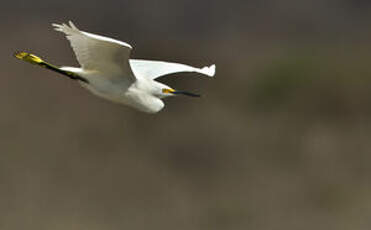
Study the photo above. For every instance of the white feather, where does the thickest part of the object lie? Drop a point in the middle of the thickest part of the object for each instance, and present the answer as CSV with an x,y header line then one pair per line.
x,y
100,54
154,69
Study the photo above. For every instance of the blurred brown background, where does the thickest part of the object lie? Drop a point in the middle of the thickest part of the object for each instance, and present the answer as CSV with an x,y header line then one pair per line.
x,y
279,140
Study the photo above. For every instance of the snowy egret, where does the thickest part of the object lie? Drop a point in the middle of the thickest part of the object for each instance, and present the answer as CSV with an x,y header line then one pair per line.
x,y
107,71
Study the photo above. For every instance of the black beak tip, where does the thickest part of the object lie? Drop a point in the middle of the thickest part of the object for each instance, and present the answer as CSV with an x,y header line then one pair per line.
x,y
187,93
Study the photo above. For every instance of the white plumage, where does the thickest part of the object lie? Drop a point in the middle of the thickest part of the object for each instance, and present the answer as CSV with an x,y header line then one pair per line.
x,y
111,74
155,69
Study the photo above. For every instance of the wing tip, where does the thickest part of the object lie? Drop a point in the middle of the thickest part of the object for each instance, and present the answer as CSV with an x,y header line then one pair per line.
x,y
67,29
72,25
57,27
209,70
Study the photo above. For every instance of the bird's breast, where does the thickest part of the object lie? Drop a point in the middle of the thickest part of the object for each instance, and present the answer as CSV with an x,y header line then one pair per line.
x,y
113,91
143,101
126,94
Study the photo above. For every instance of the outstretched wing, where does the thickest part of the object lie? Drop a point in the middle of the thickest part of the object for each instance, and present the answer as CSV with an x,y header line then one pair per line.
x,y
155,69
97,53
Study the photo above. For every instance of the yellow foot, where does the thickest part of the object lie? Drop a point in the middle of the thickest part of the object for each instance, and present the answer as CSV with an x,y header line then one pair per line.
x,y
33,59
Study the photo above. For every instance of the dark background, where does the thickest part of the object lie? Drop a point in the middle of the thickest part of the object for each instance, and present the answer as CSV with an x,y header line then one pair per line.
x,y
279,140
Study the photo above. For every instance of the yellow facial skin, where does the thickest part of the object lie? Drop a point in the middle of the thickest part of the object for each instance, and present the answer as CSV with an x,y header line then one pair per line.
x,y
168,90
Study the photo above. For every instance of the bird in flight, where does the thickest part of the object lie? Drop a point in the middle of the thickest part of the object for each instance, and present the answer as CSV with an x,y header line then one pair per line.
x,y
107,70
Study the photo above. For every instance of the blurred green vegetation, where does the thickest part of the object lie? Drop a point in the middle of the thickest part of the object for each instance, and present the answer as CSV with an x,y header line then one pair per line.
x,y
324,84
281,80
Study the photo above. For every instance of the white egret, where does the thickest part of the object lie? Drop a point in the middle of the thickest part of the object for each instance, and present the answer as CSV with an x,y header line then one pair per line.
x,y
107,71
